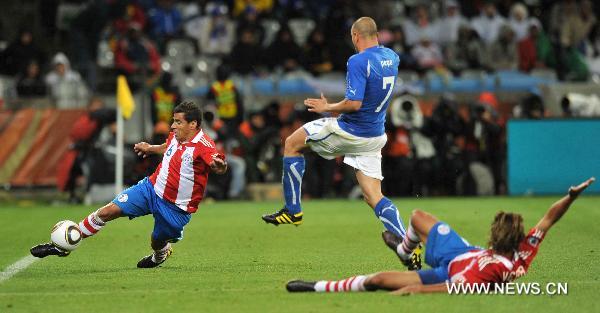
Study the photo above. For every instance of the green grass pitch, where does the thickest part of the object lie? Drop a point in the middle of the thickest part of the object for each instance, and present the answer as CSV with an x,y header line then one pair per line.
x,y
230,261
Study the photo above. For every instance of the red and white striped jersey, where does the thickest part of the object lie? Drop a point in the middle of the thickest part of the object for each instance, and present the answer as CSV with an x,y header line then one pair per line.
x,y
484,266
182,175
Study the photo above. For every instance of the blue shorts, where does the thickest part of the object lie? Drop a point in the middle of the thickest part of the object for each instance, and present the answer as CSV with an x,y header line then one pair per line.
x,y
443,245
140,200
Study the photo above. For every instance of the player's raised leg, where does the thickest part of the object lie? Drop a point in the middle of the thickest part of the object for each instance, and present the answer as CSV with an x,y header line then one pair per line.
x,y
89,226
293,171
383,207
408,248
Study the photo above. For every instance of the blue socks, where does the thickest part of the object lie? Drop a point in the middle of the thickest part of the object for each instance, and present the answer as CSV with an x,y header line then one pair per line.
x,y
388,214
293,170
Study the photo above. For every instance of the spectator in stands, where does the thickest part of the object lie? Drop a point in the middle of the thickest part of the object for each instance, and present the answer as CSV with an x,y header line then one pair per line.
x,y
520,22
399,45
216,32
284,52
65,85
84,133
336,25
444,127
257,133
232,185
449,25
488,23
30,82
165,22
482,146
249,21
408,156
227,101
133,13
318,54
572,21
530,107
85,33
405,113
580,105
593,49
427,54
163,98
468,52
503,53
246,55
421,26
289,9
262,7
535,50
135,55
15,58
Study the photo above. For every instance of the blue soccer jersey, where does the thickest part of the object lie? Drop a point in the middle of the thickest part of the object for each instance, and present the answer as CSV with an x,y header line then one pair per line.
x,y
370,78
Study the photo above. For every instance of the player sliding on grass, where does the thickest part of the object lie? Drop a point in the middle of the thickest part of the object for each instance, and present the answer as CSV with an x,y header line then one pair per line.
x,y
452,259
171,194
358,134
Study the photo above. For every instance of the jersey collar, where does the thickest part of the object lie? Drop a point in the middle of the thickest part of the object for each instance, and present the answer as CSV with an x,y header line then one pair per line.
x,y
198,136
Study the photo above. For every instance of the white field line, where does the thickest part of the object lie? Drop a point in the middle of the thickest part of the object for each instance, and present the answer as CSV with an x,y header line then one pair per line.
x,y
17,267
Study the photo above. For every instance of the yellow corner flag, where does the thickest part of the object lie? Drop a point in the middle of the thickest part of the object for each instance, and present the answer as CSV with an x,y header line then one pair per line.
x,y
124,97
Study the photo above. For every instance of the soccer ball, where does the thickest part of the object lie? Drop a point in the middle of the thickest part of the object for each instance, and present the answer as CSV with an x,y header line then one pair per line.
x,y
66,235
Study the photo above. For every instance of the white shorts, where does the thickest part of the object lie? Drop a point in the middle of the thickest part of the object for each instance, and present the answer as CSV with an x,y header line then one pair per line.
x,y
326,138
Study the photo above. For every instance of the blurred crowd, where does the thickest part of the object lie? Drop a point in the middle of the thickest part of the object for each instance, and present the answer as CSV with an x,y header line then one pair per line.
x,y
447,148
261,36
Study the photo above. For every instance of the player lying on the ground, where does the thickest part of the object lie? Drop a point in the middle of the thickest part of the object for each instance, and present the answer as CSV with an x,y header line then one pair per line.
x,y
453,259
171,194
358,133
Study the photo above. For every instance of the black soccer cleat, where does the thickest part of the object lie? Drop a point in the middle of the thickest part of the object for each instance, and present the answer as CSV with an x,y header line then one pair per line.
x,y
146,262
393,241
283,216
300,286
45,249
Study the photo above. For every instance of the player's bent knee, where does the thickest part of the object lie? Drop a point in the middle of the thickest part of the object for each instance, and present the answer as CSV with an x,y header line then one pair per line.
x,y
291,146
109,212
415,212
375,280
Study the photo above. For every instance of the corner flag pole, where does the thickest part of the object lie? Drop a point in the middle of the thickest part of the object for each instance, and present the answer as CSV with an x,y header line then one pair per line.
x,y
119,153
125,108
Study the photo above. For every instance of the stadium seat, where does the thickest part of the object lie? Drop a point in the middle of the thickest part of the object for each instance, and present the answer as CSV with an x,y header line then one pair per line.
x,y
180,48
407,76
434,82
545,74
301,29
271,29
106,57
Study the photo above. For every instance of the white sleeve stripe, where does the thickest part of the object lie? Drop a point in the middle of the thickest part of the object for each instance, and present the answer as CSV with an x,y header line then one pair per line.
x,y
205,142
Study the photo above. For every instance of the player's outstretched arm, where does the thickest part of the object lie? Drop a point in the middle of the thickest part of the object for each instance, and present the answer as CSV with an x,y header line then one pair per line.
x,y
145,149
561,206
320,105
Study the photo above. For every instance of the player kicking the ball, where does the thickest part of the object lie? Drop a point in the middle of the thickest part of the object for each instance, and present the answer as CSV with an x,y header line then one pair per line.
x,y
358,133
171,194
451,258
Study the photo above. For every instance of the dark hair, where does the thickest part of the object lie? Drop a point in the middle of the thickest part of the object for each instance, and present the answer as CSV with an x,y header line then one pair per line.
x,y
223,72
507,232
191,112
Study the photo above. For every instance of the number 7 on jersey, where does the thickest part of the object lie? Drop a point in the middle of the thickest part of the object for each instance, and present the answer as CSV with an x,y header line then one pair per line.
x,y
387,80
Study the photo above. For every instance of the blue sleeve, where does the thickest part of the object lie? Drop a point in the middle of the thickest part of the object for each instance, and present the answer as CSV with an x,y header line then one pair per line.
x,y
356,79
